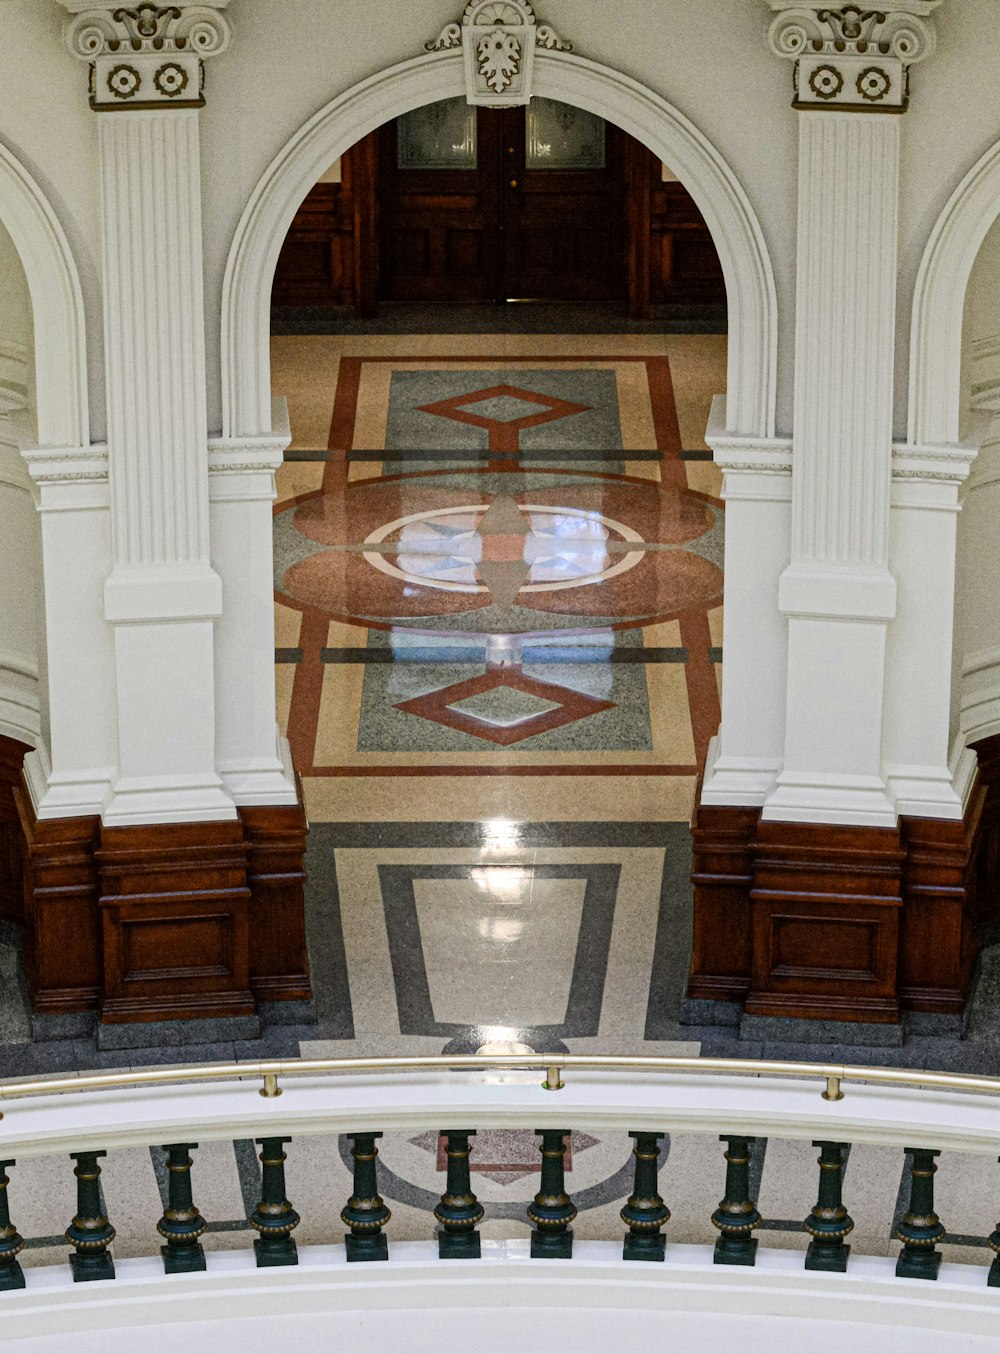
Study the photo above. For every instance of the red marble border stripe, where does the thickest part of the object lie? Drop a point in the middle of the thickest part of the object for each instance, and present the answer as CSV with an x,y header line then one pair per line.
x,y
699,672
345,404
307,691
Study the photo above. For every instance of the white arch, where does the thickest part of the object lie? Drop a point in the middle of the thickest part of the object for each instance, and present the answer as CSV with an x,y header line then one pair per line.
x,y
56,303
939,303
569,78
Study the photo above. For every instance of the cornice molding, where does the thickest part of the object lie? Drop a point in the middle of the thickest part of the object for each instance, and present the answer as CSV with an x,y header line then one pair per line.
x,y
67,465
499,39
743,453
852,58
146,56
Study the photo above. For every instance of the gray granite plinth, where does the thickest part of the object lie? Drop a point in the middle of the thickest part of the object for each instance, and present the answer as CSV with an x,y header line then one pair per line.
x,y
788,1030
705,1011
287,1013
76,1025
157,1033
935,1025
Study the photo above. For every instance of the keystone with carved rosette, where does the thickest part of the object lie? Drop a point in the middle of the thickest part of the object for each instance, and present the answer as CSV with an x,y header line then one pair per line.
x,y
499,39
146,56
853,59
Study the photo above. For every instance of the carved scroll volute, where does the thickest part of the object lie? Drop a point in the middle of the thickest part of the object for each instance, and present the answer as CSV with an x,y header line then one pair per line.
x,y
852,58
146,55
499,39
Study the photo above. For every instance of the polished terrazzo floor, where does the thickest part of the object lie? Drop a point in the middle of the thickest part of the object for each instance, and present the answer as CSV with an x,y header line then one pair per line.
x,y
499,641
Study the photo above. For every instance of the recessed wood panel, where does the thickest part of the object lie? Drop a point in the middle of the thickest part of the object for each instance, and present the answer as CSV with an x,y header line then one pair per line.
x,y
823,949
161,949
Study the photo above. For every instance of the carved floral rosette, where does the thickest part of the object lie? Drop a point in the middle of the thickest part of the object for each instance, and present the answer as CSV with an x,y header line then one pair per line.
x,y
852,58
146,55
499,39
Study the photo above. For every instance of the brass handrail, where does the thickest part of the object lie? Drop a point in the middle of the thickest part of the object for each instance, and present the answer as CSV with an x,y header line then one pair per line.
x,y
832,1074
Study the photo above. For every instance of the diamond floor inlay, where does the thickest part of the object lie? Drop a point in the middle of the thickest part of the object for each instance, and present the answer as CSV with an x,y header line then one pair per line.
x,y
504,706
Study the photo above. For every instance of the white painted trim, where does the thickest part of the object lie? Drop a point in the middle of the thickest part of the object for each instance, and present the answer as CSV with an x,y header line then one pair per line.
x,y
939,303
404,1102
65,794
56,303
246,366
415,1301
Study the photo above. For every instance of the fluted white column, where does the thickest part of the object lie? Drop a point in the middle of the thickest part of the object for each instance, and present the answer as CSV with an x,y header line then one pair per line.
x,y
838,593
162,596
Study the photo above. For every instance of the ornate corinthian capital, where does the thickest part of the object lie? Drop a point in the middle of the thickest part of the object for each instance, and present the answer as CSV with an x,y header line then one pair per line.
x,y
145,55
851,58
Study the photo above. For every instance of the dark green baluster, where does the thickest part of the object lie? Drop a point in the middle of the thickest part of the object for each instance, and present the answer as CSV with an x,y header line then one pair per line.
x,y
993,1280
737,1215
274,1217
366,1213
11,1242
90,1232
645,1211
181,1223
921,1227
459,1211
552,1210
829,1222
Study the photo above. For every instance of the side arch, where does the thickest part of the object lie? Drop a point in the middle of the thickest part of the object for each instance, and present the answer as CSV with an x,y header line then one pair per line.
x,y
939,303
56,303
558,75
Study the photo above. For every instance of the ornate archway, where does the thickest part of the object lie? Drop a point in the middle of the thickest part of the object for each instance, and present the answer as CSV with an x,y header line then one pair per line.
x,y
557,74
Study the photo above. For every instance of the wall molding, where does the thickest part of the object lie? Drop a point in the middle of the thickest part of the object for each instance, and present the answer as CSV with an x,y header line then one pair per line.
x,y
939,303
56,303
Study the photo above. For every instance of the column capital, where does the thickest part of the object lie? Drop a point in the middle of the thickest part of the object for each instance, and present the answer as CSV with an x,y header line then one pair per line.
x,y
851,59
146,56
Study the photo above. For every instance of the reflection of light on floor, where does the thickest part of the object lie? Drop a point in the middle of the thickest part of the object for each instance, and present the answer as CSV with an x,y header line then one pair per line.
x,y
500,1040
503,883
501,835
501,929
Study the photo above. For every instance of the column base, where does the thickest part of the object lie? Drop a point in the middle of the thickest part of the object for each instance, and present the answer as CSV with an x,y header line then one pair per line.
x,y
812,932
185,922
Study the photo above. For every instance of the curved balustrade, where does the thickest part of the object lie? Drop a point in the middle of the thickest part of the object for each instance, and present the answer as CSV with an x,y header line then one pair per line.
x,y
832,1106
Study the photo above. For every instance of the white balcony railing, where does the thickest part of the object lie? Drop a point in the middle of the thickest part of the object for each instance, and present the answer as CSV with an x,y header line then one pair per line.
x,y
595,1299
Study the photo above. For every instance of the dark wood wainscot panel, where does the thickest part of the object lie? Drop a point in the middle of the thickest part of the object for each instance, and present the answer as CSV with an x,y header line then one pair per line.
x,y
722,946
62,933
842,923
826,904
12,755
175,910
163,922
279,963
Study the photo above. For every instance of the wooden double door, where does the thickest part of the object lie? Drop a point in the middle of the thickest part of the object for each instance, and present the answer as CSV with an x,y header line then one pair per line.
x,y
452,204
532,206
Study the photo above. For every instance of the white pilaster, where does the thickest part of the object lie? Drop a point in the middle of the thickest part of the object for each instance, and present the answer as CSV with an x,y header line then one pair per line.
x,y
253,760
925,506
71,771
838,592
162,596
745,756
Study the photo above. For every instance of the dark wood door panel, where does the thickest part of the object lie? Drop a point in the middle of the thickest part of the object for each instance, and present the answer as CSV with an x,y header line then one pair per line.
x,y
498,231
